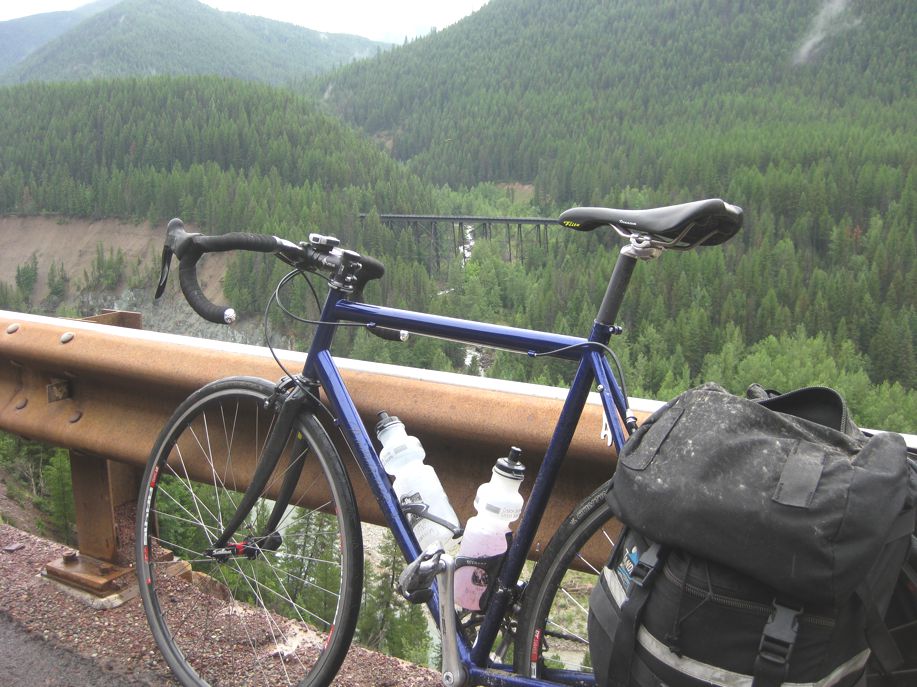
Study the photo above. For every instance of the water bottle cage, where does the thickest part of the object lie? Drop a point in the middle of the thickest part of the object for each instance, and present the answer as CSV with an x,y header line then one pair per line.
x,y
490,567
422,510
484,562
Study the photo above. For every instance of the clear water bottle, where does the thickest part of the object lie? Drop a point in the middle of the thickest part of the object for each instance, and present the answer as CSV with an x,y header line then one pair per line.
x,y
498,503
416,483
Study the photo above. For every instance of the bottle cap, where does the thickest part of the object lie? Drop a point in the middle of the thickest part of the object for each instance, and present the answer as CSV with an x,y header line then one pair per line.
x,y
385,421
510,466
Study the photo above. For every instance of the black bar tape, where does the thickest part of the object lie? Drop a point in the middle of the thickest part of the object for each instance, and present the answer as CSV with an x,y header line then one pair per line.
x,y
261,243
200,244
187,277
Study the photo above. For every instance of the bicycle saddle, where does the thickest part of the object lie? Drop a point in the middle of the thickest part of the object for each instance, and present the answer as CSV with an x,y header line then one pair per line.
x,y
702,222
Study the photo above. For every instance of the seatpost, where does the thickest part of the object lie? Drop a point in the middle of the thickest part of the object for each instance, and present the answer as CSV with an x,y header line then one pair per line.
x,y
639,248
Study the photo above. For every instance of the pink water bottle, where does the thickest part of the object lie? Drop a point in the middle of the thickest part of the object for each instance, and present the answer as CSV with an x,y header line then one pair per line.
x,y
498,503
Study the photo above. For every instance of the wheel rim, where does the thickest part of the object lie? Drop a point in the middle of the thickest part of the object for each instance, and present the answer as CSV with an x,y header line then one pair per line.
x,y
243,614
553,635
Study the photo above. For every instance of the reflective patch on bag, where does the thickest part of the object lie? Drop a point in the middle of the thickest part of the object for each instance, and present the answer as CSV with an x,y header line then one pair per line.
x,y
720,677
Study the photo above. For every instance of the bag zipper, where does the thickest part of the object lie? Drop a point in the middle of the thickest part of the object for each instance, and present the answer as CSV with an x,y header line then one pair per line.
x,y
740,604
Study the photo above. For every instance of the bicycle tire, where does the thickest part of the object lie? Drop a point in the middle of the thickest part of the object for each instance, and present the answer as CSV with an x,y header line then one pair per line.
x,y
272,617
551,636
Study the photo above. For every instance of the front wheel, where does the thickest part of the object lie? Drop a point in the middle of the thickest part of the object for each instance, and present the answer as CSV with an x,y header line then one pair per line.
x,y
268,608
552,639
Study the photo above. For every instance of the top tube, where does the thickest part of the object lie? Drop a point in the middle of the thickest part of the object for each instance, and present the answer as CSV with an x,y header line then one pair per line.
x,y
467,331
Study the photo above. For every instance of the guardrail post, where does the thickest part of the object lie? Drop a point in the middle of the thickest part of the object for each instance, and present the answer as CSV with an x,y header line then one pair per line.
x,y
100,488
104,500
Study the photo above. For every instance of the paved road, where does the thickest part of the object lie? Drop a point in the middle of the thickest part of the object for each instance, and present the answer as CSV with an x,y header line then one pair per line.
x,y
27,660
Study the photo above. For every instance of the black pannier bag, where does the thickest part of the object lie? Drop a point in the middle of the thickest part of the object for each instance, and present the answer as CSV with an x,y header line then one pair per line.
x,y
765,539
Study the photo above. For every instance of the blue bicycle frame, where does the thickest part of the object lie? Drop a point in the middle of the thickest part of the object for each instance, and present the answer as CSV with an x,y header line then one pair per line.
x,y
592,368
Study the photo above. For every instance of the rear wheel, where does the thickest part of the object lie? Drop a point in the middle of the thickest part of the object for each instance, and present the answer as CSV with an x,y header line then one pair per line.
x,y
269,608
552,635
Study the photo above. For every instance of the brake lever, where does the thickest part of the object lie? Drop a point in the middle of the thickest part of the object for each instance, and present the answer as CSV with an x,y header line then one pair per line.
x,y
164,270
176,238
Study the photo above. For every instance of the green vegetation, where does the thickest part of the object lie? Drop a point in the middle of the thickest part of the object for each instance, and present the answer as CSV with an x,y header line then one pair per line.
x,y
231,156
687,98
26,276
39,475
216,151
149,37
387,622
106,270
58,281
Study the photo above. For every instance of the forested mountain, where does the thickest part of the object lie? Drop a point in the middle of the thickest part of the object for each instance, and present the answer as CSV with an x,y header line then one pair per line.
x,y
157,147
818,288
19,37
582,98
222,154
801,112
149,37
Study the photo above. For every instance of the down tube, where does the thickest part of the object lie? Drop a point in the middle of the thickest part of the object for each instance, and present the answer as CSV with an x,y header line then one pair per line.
x,y
348,420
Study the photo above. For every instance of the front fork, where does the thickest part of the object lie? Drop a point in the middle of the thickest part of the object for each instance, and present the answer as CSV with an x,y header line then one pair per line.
x,y
287,402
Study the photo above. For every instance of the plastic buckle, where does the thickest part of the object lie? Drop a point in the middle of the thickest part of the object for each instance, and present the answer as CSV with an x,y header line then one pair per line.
x,y
779,635
646,566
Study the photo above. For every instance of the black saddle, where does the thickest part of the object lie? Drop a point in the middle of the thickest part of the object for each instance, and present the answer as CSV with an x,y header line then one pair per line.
x,y
703,222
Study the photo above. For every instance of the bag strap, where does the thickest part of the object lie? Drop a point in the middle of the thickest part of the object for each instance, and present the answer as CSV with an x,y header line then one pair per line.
x,y
625,639
881,643
777,641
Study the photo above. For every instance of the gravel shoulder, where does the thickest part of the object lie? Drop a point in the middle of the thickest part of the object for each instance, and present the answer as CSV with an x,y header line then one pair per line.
x,y
115,642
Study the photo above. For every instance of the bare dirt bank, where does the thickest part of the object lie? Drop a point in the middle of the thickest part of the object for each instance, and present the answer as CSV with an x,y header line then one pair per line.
x,y
73,242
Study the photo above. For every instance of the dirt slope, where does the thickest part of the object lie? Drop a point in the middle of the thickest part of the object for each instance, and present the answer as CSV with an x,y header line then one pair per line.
x,y
75,241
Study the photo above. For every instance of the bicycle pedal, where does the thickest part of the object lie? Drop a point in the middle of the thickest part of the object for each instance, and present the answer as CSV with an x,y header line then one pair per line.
x,y
416,581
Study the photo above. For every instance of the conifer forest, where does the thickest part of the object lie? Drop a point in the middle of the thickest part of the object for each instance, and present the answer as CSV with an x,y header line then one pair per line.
x,y
527,108
802,112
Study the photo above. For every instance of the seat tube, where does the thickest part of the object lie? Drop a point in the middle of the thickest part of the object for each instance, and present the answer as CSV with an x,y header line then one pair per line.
x,y
617,287
545,480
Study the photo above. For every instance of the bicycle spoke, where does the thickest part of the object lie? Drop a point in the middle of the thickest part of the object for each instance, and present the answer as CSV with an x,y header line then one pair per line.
x,y
254,616
555,612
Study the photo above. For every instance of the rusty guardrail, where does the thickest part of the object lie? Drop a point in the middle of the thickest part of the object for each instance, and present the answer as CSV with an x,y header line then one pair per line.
x,y
104,392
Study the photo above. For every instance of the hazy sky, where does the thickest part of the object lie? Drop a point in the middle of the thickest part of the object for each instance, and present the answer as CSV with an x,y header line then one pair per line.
x,y
384,20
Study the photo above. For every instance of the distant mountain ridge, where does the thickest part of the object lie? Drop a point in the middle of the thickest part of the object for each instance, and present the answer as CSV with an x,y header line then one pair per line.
x,y
179,37
579,97
19,37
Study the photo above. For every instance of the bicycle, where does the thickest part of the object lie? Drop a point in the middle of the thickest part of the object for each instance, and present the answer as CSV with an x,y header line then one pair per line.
x,y
273,570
